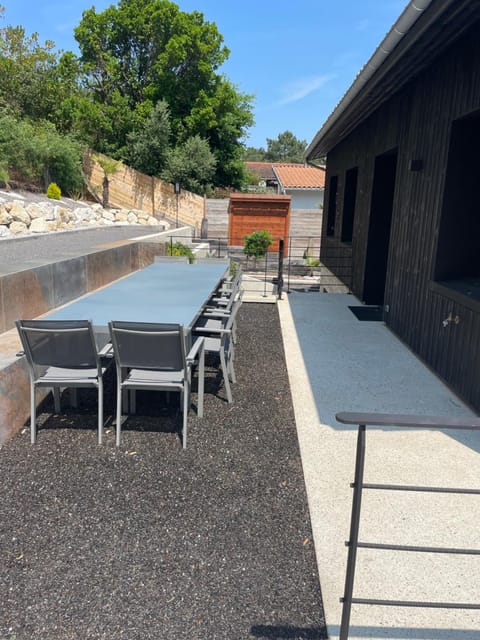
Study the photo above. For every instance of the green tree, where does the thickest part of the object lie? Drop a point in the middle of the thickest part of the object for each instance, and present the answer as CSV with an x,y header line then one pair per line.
x,y
256,244
148,146
286,148
254,154
145,51
192,165
28,72
109,167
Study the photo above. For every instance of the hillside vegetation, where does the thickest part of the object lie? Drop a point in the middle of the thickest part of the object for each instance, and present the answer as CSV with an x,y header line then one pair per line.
x,y
146,89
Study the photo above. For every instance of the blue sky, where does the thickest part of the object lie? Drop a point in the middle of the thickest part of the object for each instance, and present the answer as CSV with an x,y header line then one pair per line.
x,y
297,57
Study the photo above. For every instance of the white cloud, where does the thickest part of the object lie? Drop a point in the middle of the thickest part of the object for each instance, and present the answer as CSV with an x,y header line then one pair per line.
x,y
302,87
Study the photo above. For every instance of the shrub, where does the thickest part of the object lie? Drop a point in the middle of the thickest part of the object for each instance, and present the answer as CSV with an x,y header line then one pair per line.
x,y
36,153
54,191
180,249
257,243
5,176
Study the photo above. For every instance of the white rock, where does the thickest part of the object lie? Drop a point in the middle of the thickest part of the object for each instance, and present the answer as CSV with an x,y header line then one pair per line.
x,y
121,216
132,218
85,213
108,215
5,217
49,213
141,214
39,225
4,231
19,214
34,210
63,214
18,227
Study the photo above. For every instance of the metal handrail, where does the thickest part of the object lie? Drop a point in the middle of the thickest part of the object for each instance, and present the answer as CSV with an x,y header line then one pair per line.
x,y
403,421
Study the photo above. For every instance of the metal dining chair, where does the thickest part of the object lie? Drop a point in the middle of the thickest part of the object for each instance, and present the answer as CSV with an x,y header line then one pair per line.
x,y
219,342
214,318
61,354
152,356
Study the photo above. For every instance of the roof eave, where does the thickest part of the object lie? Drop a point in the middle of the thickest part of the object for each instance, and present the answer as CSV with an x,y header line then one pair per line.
x,y
358,102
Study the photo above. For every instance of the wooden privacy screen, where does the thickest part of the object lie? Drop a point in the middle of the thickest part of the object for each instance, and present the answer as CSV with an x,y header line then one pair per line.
x,y
257,212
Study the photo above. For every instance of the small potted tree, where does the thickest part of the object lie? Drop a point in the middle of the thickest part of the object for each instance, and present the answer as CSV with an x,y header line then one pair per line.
x,y
256,244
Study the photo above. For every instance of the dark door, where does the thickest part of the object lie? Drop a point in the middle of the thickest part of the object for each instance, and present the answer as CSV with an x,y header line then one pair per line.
x,y
379,228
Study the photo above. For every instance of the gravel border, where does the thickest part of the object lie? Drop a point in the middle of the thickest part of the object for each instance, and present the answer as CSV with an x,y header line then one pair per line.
x,y
149,541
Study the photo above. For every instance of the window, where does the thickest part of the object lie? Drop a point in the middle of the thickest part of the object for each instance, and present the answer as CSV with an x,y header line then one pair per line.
x,y
332,205
349,199
458,250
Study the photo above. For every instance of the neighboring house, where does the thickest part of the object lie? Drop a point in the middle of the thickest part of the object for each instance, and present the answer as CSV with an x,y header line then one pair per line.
x,y
305,184
266,177
402,185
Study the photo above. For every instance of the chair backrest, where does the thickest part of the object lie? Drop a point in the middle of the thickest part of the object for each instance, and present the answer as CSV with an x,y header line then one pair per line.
x,y
235,308
148,345
225,339
68,344
183,259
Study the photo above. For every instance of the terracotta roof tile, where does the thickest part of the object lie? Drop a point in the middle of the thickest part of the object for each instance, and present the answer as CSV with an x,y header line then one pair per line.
x,y
299,176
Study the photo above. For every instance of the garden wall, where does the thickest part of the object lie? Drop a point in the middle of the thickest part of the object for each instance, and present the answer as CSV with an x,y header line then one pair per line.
x,y
130,189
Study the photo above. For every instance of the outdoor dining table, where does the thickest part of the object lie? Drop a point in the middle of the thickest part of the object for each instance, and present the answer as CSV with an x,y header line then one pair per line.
x,y
161,292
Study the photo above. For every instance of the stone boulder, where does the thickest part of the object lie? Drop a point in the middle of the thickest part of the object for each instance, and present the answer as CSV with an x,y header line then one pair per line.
x,y
5,217
18,213
18,227
39,225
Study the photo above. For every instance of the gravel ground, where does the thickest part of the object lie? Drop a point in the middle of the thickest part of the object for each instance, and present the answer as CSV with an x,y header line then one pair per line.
x,y
19,253
152,542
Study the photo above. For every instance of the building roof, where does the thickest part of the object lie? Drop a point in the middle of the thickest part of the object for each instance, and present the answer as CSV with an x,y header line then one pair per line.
x,y
299,176
264,170
423,31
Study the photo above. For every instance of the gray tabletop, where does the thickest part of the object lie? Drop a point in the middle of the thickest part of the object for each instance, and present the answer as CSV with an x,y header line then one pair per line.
x,y
161,292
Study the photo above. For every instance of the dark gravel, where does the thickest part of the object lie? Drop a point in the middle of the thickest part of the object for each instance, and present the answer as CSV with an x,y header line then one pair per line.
x,y
153,542
17,254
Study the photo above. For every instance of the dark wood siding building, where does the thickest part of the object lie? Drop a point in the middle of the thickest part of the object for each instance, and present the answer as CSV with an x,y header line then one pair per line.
x,y
403,191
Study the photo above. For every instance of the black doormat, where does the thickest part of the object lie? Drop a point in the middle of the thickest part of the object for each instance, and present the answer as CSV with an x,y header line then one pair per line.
x,y
371,313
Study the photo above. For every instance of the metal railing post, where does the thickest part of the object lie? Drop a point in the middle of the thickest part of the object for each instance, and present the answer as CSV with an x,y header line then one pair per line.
x,y
265,276
281,250
354,527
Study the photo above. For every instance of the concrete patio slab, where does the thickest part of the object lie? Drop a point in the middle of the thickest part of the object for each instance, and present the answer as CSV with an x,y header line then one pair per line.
x,y
338,363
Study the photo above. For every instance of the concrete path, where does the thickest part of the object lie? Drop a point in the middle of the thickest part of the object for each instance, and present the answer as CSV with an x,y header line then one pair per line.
x,y
337,363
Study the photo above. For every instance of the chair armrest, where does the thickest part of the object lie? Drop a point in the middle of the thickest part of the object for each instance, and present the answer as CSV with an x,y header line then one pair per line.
x,y
106,351
210,331
216,313
197,347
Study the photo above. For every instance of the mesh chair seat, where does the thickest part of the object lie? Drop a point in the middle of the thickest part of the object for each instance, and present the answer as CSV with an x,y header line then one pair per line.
x,y
68,377
163,379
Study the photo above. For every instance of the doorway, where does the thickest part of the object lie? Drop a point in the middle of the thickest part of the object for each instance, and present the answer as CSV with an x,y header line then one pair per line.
x,y
379,228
